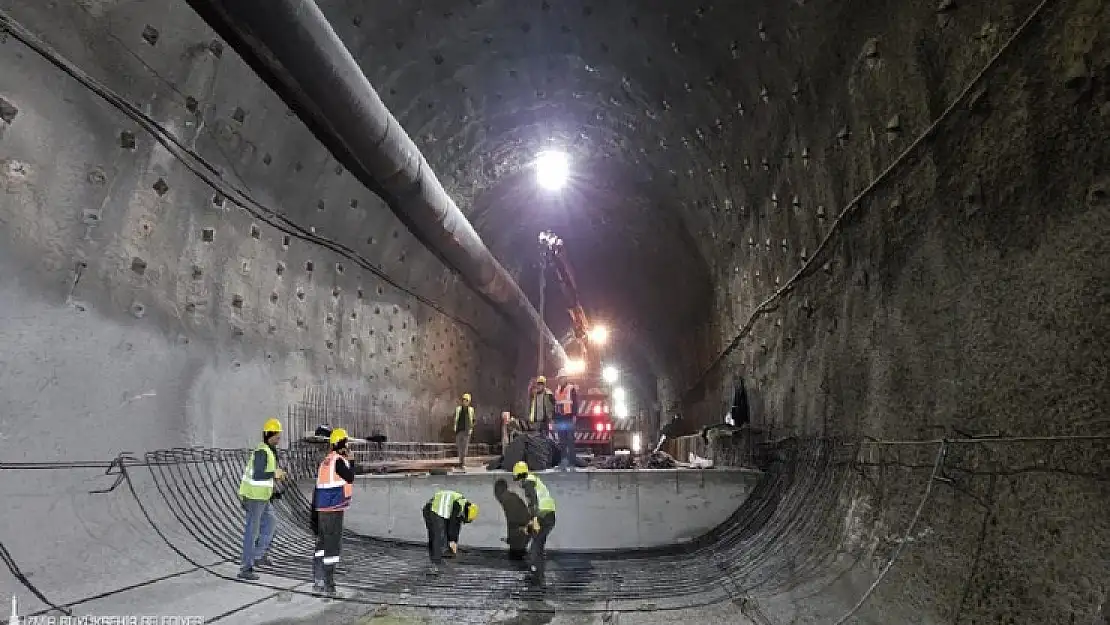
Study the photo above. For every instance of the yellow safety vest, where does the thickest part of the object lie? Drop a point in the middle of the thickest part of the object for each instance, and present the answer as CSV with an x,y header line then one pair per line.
x,y
259,490
544,501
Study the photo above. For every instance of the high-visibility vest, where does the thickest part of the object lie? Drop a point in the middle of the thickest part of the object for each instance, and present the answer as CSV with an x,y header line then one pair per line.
x,y
564,400
333,493
469,417
444,501
544,501
261,490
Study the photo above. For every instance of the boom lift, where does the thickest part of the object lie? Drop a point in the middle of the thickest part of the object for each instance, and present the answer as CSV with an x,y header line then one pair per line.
x,y
595,425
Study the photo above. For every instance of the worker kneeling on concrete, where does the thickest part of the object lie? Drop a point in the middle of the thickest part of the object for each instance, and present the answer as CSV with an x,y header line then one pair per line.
x,y
444,516
330,498
542,507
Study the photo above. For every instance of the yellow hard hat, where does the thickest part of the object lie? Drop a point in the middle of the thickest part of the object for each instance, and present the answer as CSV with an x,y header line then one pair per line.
x,y
471,511
337,435
520,468
466,396
272,425
541,380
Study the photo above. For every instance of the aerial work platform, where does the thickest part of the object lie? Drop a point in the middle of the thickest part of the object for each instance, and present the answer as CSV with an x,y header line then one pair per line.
x,y
597,509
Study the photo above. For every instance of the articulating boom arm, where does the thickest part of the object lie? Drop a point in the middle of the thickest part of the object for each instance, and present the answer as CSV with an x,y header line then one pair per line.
x,y
552,248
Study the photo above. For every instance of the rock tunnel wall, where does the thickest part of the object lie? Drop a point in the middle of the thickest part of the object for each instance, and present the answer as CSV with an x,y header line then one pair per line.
x,y
964,294
108,234
141,309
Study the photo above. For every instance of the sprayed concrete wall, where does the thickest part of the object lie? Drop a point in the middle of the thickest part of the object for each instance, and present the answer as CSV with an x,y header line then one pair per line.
x,y
140,309
595,509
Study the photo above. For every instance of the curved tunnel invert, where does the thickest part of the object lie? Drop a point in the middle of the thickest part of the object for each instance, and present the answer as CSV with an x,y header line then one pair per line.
x,y
886,220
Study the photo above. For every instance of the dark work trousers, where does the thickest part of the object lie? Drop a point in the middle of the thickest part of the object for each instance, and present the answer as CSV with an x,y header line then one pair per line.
x,y
328,540
564,428
437,534
538,548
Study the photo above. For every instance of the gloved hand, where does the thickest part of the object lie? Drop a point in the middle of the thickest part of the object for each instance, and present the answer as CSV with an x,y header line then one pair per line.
x,y
454,547
533,526
279,474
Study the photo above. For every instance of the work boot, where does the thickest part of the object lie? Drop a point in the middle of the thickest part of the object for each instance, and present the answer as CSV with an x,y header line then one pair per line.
x,y
248,575
434,569
329,581
264,561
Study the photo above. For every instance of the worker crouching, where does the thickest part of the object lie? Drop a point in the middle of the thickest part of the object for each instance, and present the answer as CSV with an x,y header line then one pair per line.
x,y
330,498
444,515
541,505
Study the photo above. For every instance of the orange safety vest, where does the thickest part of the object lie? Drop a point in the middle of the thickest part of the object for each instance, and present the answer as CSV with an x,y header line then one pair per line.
x,y
564,400
333,493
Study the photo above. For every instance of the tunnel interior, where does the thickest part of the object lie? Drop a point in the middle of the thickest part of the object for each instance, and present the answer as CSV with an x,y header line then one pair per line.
x,y
889,221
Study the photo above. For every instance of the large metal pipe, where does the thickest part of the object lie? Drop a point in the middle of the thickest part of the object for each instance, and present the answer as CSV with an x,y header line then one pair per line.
x,y
292,46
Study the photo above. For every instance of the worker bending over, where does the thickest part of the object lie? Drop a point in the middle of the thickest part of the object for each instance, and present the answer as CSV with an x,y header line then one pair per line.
x,y
444,515
541,505
256,490
330,498
464,427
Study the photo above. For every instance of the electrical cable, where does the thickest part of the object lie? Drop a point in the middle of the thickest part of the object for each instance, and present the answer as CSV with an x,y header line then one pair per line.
x,y
768,304
211,176
942,450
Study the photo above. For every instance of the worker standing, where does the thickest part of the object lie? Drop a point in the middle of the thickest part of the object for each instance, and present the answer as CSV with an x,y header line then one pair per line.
x,y
464,427
330,498
542,405
541,505
566,413
256,490
444,515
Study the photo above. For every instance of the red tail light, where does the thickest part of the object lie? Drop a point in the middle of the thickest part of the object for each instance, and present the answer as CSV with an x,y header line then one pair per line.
x,y
608,426
597,409
600,427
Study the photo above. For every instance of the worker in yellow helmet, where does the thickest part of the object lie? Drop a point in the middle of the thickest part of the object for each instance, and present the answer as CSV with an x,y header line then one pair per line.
x,y
541,505
444,515
542,408
464,427
256,490
330,498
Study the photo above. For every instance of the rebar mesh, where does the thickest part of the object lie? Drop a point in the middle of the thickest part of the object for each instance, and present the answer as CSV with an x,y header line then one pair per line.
x,y
779,534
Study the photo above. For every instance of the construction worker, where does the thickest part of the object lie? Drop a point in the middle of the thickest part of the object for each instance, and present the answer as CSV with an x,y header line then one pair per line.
x,y
566,411
256,490
464,427
330,498
542,405
541,505
444,515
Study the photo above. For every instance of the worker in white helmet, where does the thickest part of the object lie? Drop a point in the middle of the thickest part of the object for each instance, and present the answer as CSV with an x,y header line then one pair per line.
x,y
463,427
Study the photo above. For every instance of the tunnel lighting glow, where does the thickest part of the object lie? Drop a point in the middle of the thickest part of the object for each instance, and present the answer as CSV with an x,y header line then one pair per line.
x,y
552,170
575,367
621,411
619,395
610,374
599,335
636,443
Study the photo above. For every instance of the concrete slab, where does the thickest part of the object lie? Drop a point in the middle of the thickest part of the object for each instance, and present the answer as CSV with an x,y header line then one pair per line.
x,y
597,510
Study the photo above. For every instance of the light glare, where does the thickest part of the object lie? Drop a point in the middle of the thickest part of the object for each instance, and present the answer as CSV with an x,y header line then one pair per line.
x,y
610,374
552,170
599,335
618,394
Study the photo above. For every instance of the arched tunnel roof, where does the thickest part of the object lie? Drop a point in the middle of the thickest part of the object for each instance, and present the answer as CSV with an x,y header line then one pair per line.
x,y
873,232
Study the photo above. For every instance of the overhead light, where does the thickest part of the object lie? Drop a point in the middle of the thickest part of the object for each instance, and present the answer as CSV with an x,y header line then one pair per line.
x,y
575,367
552,170
618,394
599,335
610,374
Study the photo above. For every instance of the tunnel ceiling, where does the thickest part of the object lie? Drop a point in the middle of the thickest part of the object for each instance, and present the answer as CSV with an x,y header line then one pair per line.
x,y
642,95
